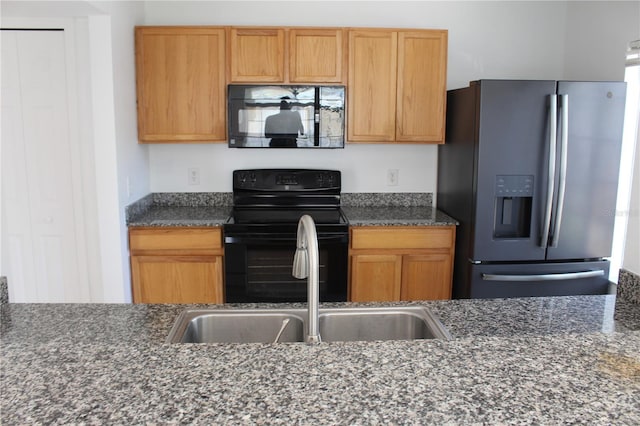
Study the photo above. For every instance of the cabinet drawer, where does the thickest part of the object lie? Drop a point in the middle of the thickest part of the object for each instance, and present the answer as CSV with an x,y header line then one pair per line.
x,y
437,237
175,239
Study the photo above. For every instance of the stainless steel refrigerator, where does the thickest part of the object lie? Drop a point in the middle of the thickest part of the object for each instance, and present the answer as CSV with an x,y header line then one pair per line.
x,y
530,171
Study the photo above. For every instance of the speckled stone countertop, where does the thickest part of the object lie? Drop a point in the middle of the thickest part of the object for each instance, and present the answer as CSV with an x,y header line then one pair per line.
x,y
214,209
515,361
182,216
393,209
180,209
397,216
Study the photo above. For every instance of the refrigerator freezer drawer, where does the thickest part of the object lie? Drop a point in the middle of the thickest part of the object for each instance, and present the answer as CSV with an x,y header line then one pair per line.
x,y
539,279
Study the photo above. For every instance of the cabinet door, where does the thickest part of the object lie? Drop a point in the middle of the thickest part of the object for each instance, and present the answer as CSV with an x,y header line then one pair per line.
x,y
426,277
422,77
256,55
316,55
372,85
180,75
375,277
177,279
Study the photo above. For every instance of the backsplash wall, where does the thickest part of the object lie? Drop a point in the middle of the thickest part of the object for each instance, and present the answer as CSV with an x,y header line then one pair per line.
x,y
364,167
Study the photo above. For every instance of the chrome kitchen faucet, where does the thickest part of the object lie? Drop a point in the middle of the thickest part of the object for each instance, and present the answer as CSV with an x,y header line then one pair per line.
x,y
306,264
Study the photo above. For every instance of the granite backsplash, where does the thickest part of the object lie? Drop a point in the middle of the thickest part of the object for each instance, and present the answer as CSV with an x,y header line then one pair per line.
x,y
387,199
4,290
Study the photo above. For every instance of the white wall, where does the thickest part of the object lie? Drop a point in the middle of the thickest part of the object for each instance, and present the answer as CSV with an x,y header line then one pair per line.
x,y
486,40
631,259
132,157
597,35
130,168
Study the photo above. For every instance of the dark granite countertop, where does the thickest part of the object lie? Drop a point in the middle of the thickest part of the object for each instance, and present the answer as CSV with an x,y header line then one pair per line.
x,y
397,216
180,209
214,209
526,361
183,216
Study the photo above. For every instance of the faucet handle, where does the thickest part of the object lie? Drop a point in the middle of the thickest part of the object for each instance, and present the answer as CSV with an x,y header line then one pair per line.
x,y
301,263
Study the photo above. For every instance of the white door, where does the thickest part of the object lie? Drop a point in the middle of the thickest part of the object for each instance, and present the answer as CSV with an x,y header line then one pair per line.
x,y
43,243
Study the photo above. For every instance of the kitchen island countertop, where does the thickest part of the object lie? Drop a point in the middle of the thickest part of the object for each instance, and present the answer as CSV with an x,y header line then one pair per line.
x,y
537,360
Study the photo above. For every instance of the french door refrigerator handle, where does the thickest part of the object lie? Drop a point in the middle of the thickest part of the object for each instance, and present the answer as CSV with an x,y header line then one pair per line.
x,y
551,170
544,277
562,176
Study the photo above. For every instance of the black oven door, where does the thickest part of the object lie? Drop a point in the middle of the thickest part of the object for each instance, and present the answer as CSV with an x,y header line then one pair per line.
x,y
258,269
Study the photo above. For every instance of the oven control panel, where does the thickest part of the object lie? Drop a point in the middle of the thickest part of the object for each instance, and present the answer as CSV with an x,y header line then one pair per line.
x,y
286,180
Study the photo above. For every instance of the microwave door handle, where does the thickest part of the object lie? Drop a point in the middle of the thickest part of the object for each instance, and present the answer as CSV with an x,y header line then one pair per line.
x,y
316,118
551,170
562,176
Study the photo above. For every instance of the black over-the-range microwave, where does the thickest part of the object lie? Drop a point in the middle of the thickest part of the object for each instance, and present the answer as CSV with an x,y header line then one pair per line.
x,y
286,116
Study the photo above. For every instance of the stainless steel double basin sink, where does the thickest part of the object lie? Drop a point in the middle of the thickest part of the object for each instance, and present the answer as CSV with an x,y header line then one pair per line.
x,y
290,325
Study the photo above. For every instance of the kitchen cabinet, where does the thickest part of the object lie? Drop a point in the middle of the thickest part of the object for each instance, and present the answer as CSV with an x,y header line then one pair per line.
x,y
176,265
286,55
401,263
397,85
181,84
317,55
256,55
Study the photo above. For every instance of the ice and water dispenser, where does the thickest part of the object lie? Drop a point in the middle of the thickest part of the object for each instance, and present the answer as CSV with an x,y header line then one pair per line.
x,y
514,195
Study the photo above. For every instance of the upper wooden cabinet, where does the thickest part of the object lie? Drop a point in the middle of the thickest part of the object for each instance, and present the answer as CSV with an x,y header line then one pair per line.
x,y
372,85
317,55
396,79
397,85
181,84
286,55
256,54
422,86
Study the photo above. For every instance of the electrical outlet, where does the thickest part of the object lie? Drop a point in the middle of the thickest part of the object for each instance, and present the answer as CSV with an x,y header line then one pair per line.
x,y
393,175
193,176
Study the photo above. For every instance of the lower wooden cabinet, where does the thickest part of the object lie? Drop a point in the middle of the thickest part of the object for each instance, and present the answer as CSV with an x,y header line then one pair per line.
x,y
375,277
176,265
401,263
426,276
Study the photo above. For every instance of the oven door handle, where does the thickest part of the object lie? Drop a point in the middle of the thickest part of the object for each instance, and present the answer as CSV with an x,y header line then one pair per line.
x,y
233,239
